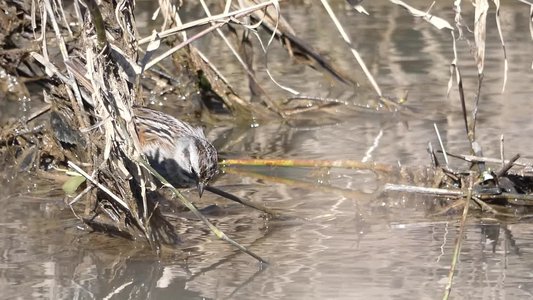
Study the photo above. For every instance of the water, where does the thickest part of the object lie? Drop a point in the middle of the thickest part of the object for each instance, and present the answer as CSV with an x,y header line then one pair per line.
x,y
350,245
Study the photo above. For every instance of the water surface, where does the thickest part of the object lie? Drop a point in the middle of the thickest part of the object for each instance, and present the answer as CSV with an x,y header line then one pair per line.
x,y
348,245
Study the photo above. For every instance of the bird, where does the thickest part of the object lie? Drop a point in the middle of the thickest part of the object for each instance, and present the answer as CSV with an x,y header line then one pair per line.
x,y
176,150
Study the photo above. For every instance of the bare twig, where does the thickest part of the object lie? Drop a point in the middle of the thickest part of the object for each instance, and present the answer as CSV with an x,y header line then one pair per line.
x,y
309,163
242,201
389,187
507,166
480,32
502,150
475,159
218,233
355,53
459,240
499,26
224,18
441,144
98,185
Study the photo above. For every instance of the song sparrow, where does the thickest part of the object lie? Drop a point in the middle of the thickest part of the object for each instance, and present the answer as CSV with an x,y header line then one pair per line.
x,y
176,150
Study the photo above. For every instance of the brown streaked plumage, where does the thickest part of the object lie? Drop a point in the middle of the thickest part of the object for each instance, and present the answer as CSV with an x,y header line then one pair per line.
x,y
176,150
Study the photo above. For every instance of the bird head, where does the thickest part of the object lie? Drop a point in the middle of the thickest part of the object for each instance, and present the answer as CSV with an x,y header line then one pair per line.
x,y
206,166
199,159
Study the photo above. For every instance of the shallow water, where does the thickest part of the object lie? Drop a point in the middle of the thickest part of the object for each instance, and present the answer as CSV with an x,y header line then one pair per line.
x,y
348,245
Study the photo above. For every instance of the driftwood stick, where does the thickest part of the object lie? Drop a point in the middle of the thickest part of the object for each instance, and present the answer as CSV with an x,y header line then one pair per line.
x,y
474,158
310,163
389,187
507,166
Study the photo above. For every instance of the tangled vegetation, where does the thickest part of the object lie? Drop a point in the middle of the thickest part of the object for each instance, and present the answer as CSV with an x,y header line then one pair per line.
x,y
93,67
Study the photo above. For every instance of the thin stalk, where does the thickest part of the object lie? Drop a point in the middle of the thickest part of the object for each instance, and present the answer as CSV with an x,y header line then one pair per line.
x,y
310,163
356,54
225,17
389,187
459,242
99,185
218,233
244,202
98,22
441,144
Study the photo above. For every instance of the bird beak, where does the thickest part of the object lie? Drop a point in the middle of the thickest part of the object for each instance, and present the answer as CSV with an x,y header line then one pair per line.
x,y
201,189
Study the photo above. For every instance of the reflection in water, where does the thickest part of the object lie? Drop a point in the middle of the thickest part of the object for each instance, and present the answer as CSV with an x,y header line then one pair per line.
x,y
346,243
